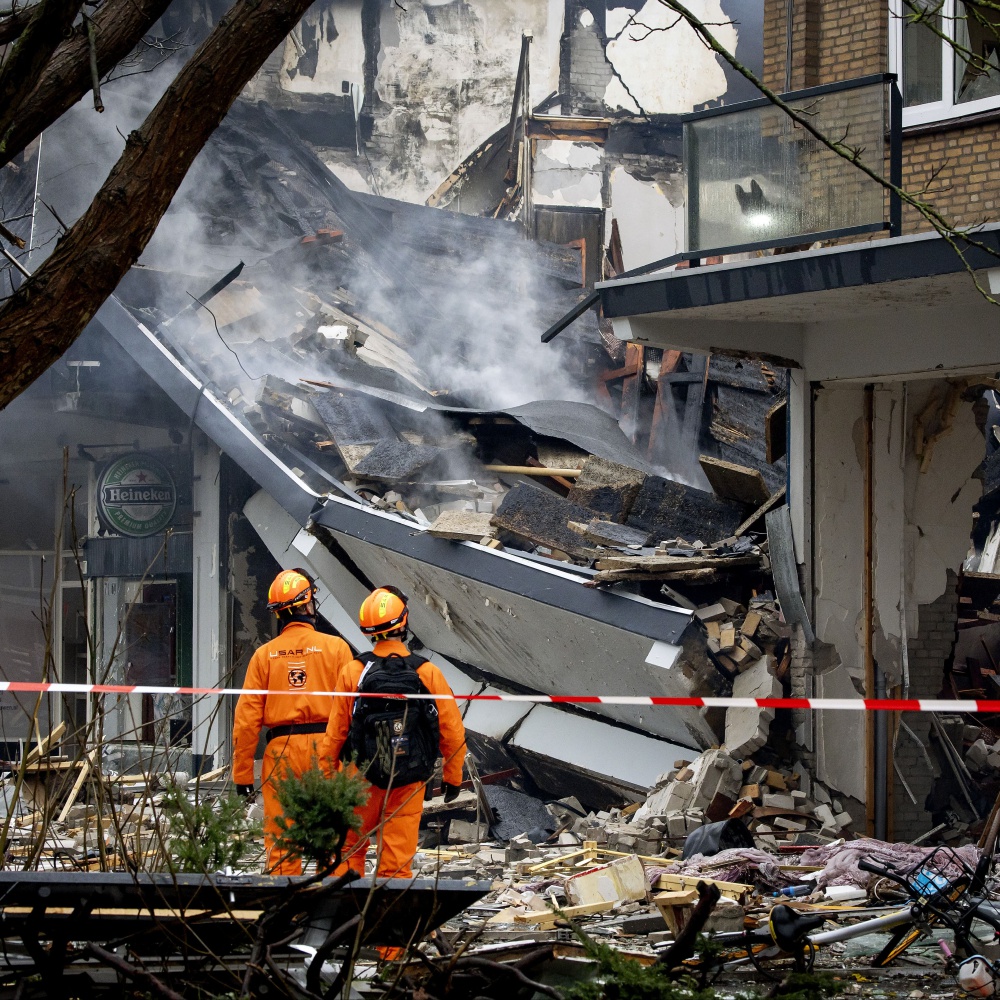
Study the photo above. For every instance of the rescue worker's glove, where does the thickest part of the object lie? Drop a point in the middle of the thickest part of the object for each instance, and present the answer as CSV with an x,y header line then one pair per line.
x,y
244,791
450,791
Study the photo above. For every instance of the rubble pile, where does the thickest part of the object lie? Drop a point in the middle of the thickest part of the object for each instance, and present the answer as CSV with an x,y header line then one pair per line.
x,y
780,805
55,822
630,877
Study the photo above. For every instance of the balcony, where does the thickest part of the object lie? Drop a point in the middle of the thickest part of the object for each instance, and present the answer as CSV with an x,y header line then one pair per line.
x,y
758,179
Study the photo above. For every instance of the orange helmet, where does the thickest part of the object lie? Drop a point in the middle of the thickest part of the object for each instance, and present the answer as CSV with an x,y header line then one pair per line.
x,y
383,611
291,588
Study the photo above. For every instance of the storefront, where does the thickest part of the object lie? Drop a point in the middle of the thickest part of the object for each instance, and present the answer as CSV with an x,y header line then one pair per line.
x,y
115,559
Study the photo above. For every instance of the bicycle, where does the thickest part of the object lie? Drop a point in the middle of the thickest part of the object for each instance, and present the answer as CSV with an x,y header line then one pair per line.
x,y
932,899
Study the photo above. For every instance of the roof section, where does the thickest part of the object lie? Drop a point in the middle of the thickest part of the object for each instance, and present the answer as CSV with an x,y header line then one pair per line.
x,y
839,267
893,308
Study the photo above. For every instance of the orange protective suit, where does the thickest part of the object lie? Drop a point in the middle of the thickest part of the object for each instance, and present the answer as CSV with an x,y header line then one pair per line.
x,y
300,660
394,815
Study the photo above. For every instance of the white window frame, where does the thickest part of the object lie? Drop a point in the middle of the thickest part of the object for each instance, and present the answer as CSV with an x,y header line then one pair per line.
x,y
937,111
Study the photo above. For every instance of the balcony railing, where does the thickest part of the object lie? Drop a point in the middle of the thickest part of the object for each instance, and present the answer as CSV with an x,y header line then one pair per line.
x,y
757,179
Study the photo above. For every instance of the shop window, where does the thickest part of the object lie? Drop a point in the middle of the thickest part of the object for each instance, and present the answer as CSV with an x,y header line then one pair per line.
x,y
947,54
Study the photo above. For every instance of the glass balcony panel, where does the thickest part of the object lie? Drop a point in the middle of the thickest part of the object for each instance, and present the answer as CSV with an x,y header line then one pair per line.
x,y
757,177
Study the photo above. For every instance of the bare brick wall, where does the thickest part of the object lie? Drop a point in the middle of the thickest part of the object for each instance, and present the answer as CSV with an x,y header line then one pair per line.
x,y
928,652
590,72
966,188
831,40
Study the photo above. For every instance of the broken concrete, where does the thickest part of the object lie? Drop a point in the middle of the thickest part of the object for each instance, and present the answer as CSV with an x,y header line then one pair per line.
x,y
747,728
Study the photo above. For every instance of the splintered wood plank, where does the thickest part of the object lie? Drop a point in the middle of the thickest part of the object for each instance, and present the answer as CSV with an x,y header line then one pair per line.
x,y
772,502
735,482
631,386
663,408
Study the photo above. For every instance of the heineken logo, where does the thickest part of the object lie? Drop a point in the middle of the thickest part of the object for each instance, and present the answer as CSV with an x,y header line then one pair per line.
x,y
136,495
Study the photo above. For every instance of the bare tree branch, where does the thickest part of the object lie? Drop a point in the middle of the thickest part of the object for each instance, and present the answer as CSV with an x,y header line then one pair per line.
x,y
50,310
13,24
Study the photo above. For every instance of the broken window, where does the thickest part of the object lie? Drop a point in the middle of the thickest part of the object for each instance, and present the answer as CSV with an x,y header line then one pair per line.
x,y
922,55
977,37
947,54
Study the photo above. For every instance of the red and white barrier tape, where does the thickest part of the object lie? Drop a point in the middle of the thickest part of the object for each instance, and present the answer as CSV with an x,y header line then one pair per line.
x,y
825,704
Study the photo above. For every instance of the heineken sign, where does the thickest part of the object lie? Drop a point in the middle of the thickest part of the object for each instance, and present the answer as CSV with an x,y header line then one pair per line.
x,y
136,495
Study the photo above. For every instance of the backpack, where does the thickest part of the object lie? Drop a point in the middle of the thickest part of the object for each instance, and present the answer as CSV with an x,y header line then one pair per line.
x,y
394,742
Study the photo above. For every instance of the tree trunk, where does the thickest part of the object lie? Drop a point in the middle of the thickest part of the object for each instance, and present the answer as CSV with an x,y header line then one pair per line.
x,y
119,26
50,310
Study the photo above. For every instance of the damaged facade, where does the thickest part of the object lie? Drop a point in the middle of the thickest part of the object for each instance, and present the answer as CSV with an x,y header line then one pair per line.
x,y
755,470
705,490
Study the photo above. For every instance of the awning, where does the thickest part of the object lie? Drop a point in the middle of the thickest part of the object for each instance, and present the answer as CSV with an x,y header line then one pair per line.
x,y
884,308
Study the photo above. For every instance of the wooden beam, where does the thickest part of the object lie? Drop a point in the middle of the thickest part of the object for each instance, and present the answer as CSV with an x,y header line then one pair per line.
x,y
735,482
694,405
632,391
663,408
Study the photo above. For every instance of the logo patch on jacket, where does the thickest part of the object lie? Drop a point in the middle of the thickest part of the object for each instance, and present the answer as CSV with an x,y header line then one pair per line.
x,y
296,677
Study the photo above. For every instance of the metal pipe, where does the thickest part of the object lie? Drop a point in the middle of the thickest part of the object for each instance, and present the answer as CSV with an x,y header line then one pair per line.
x,y
789,18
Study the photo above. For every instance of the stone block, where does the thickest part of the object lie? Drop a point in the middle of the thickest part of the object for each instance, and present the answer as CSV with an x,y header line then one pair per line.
x,y
747,728
675,824
975,756
789,823
824,814
714,773
843,819
778,800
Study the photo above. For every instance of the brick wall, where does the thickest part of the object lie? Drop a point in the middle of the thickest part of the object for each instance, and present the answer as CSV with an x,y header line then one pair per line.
x,y
589,70
928,652
831,40
960,167
844,39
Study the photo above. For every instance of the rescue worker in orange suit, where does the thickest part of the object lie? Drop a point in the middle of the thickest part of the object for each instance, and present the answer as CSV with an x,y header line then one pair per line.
x,y
392,814
300,660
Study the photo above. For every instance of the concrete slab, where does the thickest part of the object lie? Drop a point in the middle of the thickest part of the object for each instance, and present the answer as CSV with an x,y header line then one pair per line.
x,y
596,746
495,718
747,728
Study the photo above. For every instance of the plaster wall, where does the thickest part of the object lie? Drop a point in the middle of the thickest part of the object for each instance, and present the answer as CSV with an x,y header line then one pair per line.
x,y
650,215
567,173
921,531
323,53
661,65
837,525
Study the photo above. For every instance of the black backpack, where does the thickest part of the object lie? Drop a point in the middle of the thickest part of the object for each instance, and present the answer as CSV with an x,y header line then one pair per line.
x,y
394,742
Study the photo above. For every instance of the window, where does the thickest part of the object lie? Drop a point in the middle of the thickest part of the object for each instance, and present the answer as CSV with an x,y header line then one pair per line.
x,y
947,56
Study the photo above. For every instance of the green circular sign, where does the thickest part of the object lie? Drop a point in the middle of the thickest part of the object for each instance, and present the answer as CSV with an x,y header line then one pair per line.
x,y
136,495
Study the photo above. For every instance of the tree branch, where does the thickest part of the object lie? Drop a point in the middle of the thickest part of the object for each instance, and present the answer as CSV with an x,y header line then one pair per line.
x,y
13,25
119,26
52,20
50,310
156,986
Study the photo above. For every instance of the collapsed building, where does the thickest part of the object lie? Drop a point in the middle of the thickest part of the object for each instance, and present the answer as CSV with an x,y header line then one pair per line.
x,y
366,391
358,392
